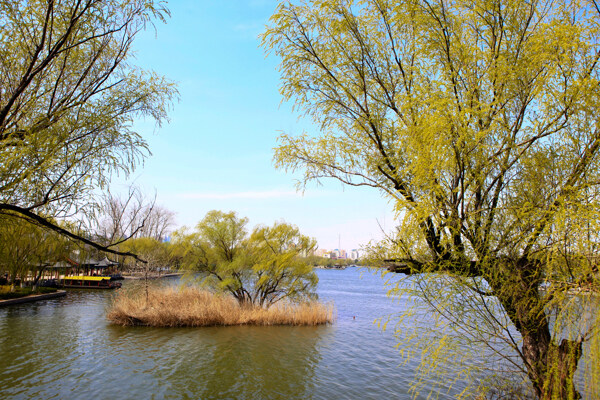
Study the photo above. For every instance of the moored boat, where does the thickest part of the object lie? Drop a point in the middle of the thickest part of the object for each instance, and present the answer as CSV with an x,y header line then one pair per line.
x,y
88,282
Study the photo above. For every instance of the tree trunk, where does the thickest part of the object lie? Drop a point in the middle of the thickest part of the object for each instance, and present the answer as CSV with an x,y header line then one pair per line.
x,y
560,376
37,279
550,367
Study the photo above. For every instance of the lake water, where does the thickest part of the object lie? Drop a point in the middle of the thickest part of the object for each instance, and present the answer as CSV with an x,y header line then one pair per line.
x,y
66,349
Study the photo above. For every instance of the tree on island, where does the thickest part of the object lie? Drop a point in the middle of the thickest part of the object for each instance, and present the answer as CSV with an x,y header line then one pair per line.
x,y
68,100
260,270
278,264
479,121
155,254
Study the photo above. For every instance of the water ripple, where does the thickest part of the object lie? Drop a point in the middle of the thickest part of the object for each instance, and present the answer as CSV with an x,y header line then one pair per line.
x,y
65,349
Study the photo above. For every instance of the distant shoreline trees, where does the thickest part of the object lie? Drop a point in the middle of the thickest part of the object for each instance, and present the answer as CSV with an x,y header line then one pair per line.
x,y
26,250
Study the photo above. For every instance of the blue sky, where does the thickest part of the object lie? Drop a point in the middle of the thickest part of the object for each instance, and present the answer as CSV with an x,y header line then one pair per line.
x,y
216,151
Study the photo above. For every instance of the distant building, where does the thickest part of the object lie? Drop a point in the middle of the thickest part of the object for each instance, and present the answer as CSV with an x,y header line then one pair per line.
x,y
354,254
323,253
335,254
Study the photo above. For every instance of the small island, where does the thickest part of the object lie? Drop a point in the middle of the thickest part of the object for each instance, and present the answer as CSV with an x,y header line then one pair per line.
x,y
191,307
233,278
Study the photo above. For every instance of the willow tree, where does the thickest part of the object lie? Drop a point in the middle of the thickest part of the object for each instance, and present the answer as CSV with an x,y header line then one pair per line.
x,y
217,252
69,95
279,271
26,250
479,120
258,270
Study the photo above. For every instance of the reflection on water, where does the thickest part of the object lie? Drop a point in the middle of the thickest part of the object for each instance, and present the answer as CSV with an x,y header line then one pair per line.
x,y
65,349
231,362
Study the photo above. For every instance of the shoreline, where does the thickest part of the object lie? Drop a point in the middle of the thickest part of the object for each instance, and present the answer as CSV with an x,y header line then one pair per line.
x,y
194,307
32,298
139,278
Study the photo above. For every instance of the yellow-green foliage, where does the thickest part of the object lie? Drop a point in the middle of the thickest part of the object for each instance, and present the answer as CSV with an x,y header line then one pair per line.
x,y
479,121
261,269
68,100
156,253
26,249
279,271
192,307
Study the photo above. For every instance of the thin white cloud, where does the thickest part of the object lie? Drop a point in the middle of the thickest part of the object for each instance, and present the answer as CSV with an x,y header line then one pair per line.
x,y
262,3
249,27
249,30
265,194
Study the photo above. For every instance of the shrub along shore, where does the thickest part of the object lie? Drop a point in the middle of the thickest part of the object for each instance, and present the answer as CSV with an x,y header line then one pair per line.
x,y
7,293
172,307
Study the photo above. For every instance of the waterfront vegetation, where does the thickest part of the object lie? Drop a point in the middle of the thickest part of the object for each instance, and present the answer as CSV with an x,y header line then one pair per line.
x,y
178,307
479,121
70,93
239,278
8,292
259,269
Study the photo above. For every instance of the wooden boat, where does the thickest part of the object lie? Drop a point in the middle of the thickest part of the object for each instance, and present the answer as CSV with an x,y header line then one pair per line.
x,y
88,282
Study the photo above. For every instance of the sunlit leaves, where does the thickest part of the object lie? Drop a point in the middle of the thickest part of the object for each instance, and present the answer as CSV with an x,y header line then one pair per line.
x,y
68,98
26,249
479,121
275,255
260,269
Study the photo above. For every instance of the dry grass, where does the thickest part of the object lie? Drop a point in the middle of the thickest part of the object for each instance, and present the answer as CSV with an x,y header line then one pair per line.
x,y
171,307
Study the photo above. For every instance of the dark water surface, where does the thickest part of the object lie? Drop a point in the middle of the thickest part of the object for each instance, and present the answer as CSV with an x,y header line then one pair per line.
x,y
65,349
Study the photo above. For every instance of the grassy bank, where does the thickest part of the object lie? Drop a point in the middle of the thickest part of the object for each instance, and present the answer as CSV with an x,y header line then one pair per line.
x,y
172,307
6,294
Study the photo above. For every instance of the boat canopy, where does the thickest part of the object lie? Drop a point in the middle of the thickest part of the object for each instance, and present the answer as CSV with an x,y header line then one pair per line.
x,y
87,278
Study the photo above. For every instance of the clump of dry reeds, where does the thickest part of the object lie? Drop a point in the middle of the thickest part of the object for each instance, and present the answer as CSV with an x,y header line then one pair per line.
x,y
172,307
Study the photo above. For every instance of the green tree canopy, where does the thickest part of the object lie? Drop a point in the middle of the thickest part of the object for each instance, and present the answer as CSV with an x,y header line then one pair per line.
x,y
154,252
279,270
27,249
479,120
69,94
260,269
